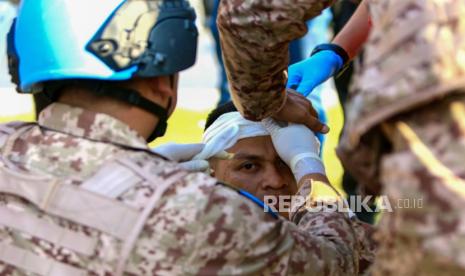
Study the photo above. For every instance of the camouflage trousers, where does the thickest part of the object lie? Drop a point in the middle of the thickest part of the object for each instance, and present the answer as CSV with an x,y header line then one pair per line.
x,y
426,168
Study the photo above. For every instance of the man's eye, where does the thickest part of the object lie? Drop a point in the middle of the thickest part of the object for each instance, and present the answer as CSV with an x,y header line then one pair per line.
x,y
248,166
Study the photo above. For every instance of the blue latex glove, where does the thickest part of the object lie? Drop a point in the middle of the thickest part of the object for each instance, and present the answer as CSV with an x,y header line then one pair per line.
x,y
304,76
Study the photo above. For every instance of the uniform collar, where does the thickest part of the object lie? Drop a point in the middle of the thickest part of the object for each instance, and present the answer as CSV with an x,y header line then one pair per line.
x,y
87,124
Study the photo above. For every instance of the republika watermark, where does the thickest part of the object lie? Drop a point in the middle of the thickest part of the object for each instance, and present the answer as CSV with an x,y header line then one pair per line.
x,y
287,203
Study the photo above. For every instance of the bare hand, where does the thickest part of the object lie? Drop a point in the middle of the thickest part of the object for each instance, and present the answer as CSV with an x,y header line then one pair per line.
x,y
299,110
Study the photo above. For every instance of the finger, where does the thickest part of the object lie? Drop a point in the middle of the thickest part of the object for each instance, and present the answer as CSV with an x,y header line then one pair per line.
x,y
195,165
187,151
179,152
224,155
312,110
305,102
317,142
270,125
315,125
305,87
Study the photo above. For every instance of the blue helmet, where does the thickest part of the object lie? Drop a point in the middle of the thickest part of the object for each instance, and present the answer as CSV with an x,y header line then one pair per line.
x,y
104,40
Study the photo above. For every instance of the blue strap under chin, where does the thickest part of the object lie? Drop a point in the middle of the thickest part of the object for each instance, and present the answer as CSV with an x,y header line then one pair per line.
x,y
258,202
253,198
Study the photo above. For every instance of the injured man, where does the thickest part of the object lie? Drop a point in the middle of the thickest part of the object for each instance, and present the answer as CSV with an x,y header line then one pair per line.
x,y
265,159
254,164
243,154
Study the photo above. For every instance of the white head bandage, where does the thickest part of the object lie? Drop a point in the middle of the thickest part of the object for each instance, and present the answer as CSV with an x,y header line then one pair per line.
x,y
226,131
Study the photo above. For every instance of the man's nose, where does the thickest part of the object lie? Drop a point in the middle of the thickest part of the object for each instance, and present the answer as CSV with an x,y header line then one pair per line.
x,y
273,179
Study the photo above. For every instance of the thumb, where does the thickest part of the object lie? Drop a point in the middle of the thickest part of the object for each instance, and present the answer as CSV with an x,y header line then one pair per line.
x,y
294,78
270,125
315,125
224,155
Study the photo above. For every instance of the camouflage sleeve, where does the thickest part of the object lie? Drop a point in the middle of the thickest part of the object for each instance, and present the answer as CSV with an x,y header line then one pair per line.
x,y
254,38
238,237
365,234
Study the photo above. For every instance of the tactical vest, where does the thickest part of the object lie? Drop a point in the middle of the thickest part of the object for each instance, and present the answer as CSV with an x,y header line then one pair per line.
x,y
415,54
90,204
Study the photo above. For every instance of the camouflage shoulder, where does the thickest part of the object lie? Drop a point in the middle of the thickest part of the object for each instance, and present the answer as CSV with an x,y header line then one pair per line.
x,y
10,127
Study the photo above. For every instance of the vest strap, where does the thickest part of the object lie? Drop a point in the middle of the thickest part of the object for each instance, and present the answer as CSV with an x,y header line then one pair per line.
x,y
29,261
161,186
46,230
112,180
71,202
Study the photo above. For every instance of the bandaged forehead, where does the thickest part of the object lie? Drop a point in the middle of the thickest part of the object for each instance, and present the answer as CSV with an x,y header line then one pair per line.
x,y
226,131
126,35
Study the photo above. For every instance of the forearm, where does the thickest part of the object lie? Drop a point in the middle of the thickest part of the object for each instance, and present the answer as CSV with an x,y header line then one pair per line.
x,y
334,236
254,38
356,31
363,232
327,224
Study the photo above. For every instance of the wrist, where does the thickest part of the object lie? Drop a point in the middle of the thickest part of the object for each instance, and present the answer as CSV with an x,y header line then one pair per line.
x,y
283,103
340,56
305,183
307,166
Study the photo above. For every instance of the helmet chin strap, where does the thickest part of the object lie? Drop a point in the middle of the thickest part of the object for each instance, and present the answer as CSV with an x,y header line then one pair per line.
x,y
128,95
134,98
162,124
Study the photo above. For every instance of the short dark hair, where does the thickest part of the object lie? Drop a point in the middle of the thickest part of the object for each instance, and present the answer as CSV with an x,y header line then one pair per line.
x,y
217,112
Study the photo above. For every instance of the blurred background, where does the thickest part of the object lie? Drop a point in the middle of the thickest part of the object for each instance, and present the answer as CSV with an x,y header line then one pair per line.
x,y
201,88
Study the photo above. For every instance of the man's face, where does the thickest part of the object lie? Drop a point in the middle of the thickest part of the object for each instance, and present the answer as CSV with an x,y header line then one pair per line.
x,y
256,168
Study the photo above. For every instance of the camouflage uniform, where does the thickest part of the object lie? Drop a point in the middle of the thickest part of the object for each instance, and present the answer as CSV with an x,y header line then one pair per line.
x,y
82,194
256,59
254,38
405,133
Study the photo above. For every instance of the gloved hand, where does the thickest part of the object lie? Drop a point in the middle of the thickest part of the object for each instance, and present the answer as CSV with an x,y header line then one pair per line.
x,y
297,146
304,76
183,154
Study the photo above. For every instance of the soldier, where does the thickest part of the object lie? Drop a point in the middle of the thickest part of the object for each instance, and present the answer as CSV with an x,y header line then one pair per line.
x,y
82,194
405,135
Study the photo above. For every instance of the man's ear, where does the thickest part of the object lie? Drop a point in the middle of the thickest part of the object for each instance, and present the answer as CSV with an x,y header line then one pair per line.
x,y
165,89
162,85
